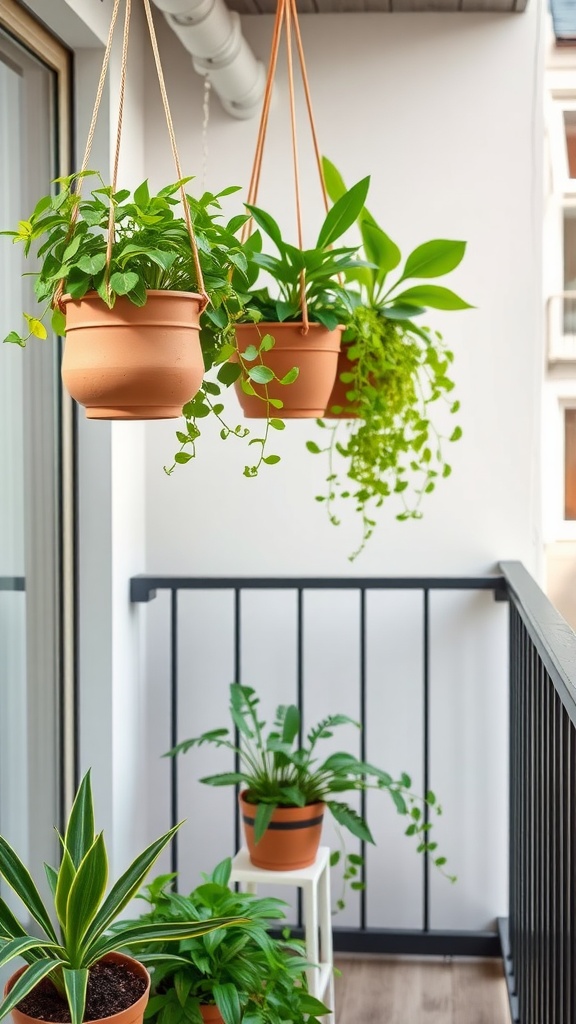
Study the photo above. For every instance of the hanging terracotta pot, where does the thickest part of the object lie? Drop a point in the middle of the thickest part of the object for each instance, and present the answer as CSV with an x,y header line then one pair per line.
x,y
346,409
133,1014
133,362
291,840
211,1015
316,356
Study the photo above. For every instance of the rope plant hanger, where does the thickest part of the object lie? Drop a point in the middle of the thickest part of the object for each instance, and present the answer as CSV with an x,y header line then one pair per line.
x,y
309,281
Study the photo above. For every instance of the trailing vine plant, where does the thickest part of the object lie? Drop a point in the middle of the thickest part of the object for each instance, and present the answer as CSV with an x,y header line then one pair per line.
x,y
380,439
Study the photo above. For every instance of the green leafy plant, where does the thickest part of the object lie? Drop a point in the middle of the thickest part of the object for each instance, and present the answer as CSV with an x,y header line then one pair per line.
x,y
397,370
151,250
315,272
277,769
243,970
77,937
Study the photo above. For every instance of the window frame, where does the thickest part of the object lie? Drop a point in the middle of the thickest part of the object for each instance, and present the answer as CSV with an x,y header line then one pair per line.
x,y
29,33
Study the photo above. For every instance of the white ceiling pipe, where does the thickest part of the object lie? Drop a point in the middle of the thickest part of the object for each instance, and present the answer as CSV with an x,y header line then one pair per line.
x,y
213,35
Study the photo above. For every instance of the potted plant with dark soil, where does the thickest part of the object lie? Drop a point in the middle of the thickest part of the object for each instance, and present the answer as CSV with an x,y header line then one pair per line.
x,y
245,974
391,370
74,970
291,335
286,786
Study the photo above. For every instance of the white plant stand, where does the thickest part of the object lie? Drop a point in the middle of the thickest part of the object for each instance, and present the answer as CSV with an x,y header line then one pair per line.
x,y
315,884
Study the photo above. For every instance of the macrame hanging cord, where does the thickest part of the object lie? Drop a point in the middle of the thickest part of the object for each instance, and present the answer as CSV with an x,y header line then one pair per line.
x,y
171,133
287,16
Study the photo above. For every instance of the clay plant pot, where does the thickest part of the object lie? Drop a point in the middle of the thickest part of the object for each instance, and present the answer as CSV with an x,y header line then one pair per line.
x,y
291,840
316,356
133,362
211,1015
346,410
131,1015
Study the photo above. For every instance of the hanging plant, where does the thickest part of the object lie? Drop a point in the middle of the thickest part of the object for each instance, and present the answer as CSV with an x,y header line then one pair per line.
x,y
140,284
391,371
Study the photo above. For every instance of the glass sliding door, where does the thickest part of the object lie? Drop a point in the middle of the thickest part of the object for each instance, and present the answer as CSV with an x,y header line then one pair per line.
x,y
35,567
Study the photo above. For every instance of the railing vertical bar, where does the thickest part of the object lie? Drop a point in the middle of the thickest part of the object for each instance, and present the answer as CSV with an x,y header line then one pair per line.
x,y
513,772
520,849
174,761
426,750
556,960
237,679
567,868
363,745
570,895
300,697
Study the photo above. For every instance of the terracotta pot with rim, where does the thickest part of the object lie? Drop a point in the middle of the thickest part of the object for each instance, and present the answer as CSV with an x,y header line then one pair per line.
x,y
291,840
131,1015
133,362
211,1015
316,356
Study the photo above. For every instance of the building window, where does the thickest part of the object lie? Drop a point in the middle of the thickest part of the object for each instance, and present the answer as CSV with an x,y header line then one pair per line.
x,y
570,464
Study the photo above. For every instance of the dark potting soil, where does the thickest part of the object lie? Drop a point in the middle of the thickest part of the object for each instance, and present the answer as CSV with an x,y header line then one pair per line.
x,y
111,989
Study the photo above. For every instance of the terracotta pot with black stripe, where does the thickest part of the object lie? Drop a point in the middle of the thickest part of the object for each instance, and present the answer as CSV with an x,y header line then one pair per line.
x,y
291,840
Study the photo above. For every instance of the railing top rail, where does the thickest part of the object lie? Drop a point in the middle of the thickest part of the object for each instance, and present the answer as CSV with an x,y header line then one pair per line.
x,y
553,638
144,586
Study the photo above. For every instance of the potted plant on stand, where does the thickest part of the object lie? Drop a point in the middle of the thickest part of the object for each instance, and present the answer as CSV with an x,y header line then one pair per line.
x,y
391,371
286,786
245,974
75,963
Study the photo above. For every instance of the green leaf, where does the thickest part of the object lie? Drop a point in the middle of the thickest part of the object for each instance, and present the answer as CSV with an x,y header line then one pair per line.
x,y
313,447
380,249
75,983
263,818
333,180
64,884
290,377
58,322
228,1002
10,927
224,779
21,945
127,886
291,724
18,877
14,339
433,296
250,353
343,214
79,835
433,259
142,195
71,249
86,893
132,933
36,327
268,225
348,818
271,460
260,374
123,283
277,424
456,434
92,265
52,877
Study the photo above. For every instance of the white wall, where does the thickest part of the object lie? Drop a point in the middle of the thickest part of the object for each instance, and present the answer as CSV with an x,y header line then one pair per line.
x,y
445,112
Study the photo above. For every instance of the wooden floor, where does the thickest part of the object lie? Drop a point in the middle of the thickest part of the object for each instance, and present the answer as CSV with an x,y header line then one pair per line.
x,y
387,991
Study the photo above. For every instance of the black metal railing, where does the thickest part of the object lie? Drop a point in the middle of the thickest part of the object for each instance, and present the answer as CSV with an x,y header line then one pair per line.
x,y
424,940
538,938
